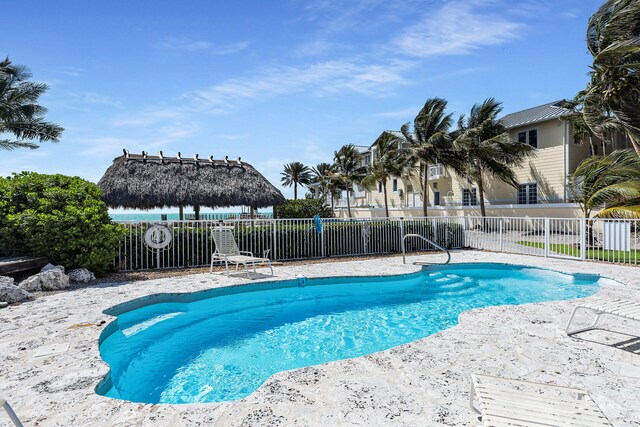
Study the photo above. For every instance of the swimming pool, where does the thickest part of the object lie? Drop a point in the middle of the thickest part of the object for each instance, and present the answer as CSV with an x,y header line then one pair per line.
x,y
222,344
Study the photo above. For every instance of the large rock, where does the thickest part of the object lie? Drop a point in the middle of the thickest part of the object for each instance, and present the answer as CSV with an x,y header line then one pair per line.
x,y
49,280
50,266
81,275
11,293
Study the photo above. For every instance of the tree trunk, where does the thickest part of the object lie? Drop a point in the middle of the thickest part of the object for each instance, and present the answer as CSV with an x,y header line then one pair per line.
x,y
295,191
386,204
181,212
425,190
592,147
483,212
196,211
348,203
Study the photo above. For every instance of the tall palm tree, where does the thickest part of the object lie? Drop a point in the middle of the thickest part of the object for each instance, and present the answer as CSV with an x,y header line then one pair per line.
x,y
610,183
430,142
295,173
390,160
20,114
613,38
485,145
349,170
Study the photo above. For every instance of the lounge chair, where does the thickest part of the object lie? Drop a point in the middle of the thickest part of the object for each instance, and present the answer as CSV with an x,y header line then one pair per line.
x,y
615,306
508,402
12,415
227,251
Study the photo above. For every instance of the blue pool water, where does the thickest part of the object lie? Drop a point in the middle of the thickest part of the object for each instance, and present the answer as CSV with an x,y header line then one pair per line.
x,y
223,344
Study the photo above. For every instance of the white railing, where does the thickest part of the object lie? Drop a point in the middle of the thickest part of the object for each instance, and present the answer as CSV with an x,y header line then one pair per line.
x,y
436,171
614,241
284,239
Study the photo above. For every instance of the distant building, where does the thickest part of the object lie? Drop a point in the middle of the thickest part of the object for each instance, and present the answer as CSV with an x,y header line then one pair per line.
x,y
542,189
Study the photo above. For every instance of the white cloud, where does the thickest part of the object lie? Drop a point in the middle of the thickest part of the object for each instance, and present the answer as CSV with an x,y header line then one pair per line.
x,y
458,27
320,78
185,44
406,113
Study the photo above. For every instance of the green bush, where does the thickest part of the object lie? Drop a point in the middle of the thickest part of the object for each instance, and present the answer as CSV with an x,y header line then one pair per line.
x,y
304,208
57,216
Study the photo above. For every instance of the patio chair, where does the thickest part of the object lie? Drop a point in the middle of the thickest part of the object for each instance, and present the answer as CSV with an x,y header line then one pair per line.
x,y
615,306
508,402
12,415
227,251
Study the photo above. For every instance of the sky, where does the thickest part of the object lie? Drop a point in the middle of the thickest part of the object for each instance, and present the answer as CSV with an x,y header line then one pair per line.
x,y
277,81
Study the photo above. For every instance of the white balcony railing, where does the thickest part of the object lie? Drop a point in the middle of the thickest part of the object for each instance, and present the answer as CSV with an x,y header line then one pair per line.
x,y
436,171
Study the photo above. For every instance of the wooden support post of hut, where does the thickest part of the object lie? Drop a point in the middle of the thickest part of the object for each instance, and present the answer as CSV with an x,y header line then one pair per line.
x,y
140,181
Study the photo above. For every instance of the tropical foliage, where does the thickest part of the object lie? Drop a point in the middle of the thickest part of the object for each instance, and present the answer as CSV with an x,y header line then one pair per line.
x,y
484,144
22,123
348,170
430,143
613,38
304,208
295,173
57,216
610,183
389,161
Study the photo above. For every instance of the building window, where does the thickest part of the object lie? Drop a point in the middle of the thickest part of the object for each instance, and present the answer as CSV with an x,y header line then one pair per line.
x,y
395,184
379,187
410,188
469,197
528,194
436,198
529,137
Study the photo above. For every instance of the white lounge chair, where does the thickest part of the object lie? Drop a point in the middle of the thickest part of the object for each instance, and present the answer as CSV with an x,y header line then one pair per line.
x,y
12,415
615,306
227,251
508,402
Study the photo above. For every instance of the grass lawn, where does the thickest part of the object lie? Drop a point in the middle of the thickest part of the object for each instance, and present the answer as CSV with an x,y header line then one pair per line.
x,y
632,257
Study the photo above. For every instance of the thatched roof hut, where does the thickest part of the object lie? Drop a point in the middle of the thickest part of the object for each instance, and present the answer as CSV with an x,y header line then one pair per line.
x,y
141,181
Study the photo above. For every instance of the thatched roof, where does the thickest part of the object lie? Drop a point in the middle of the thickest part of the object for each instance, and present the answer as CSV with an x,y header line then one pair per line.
x,y
144,182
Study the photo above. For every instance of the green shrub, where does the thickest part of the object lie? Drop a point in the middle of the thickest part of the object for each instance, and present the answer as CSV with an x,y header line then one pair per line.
x,y
304,208
57,216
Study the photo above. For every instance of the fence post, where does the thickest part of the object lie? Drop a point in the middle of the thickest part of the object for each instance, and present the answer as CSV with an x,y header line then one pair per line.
x,y
501,235
546,237
583,238
322,248
275,243
401,229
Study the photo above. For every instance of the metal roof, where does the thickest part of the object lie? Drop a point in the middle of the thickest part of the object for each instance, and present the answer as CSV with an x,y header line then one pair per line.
x,y
541,113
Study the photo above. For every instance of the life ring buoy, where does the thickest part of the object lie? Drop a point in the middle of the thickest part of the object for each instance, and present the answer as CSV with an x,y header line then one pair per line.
x,y
158,236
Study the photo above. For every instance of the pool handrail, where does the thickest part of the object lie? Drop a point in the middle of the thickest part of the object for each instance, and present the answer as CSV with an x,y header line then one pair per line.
x,y
434,244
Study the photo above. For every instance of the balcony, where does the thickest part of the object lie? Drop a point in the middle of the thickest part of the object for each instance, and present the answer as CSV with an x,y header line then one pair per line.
x,y
436,172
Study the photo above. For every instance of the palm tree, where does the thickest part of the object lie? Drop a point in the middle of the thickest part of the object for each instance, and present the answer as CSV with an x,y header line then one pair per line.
x,y
613,38
610,183
348,168
389,161
484,143
430,142
20,114
321,175
295,173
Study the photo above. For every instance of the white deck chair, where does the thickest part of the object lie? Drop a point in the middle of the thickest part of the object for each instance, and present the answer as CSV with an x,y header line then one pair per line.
x,y
227,251
507,402
12,415
615,306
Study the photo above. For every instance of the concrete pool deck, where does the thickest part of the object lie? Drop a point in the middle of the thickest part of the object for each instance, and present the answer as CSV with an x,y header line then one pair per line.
x,y
425,382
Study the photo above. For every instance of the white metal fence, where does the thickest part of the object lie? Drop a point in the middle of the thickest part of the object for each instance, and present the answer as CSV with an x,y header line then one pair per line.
x,y
615,241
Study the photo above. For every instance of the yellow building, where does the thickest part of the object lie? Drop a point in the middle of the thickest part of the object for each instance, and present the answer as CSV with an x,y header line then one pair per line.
x,y
542,190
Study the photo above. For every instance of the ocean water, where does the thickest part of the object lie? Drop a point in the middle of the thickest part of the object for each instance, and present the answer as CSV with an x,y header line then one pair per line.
x,y
170,216
223,344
